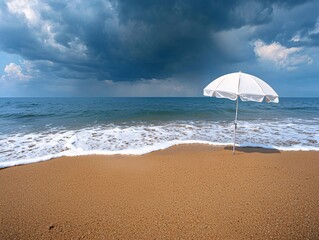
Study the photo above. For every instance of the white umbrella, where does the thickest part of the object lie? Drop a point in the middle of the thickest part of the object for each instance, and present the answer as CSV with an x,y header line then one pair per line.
x,y
246,86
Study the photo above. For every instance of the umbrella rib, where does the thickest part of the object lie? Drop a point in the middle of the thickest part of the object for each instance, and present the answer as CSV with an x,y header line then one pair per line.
x,y
238,84
260,88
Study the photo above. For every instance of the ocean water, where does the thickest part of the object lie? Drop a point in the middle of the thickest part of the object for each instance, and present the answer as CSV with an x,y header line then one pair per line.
x,y
37,129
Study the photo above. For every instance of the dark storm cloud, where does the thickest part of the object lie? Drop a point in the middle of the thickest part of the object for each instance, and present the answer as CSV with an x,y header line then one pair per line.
x,y
127,40
293,28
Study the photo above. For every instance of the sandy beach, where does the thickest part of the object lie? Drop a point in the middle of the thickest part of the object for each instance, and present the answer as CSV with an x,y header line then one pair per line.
x,y
184,192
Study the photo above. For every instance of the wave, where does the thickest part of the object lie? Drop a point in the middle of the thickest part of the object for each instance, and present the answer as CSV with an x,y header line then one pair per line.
x,y
26,115
145,150
292,135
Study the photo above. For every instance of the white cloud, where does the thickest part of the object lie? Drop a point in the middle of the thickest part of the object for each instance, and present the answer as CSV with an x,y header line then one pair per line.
x,y
46,31
14,72
25,8
315,30
109,82
288,58
296,38
305,37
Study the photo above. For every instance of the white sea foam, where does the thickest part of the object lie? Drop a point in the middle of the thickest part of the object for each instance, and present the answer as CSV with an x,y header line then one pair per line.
x,y
292,135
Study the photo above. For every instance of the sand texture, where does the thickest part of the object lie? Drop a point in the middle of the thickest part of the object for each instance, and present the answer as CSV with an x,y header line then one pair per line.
x,y
184,192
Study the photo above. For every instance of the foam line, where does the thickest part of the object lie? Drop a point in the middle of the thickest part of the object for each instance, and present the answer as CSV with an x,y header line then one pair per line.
x,y
144,150
292,135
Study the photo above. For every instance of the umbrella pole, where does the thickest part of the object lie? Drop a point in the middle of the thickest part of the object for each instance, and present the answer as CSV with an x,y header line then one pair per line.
x,y
235,123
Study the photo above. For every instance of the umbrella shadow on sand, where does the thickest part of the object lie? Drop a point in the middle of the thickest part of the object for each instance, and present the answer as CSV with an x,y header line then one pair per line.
x,y
251,150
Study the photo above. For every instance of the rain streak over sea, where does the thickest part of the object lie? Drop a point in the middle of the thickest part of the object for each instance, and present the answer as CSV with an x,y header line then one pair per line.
x,y
37,129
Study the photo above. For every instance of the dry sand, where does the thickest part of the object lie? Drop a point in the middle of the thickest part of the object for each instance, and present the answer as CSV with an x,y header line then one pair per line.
x,y
184,192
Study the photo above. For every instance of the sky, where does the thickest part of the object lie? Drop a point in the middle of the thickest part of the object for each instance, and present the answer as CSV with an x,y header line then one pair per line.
x,y
155,48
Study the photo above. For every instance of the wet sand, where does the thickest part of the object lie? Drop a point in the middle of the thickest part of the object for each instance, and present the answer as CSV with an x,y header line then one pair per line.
x,y
184,192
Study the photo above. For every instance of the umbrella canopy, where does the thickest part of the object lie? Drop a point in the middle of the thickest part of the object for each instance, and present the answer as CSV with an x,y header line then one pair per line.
x,y
246,86
243,85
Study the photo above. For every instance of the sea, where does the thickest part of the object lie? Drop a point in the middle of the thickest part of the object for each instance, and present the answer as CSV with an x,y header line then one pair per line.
x,y
38,129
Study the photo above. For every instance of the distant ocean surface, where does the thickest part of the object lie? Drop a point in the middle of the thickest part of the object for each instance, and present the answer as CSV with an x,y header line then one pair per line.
x,y
37,129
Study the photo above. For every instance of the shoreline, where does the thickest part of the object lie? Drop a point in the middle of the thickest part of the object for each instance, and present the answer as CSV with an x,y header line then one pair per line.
x,y
185,191
150,149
